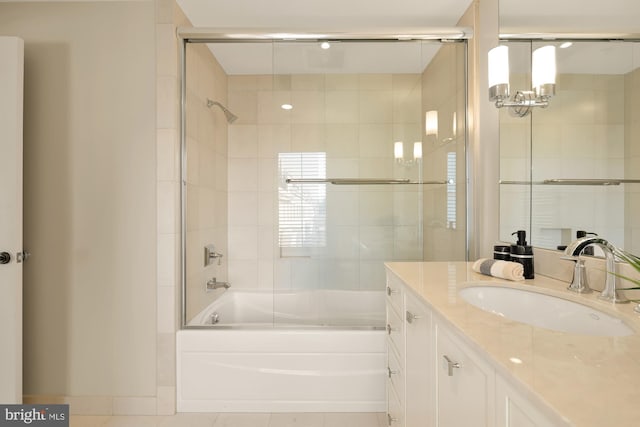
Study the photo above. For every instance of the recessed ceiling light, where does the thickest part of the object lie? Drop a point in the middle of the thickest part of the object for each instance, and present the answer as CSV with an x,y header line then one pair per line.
x,y
565,45
325,45
286,106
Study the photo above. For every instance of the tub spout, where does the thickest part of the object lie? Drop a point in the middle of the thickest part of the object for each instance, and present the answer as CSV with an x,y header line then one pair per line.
x,y
214,284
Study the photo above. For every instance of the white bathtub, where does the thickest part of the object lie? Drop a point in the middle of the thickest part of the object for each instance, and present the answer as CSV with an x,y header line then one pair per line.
x,y
318,307
248,363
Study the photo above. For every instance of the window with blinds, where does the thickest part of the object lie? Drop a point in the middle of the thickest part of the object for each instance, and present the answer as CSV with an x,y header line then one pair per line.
x,y
302,208
451,190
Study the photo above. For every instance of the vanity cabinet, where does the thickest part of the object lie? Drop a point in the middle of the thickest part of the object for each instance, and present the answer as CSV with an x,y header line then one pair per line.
x,y
464,383
436,379
409,348
395,354
419,408
515,410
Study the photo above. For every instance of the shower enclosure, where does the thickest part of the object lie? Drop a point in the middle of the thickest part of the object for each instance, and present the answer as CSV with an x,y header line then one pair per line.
x,y
307,164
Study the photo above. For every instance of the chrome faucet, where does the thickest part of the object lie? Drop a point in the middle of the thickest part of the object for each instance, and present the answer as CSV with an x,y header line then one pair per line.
x,y
213,284
579,283
610,292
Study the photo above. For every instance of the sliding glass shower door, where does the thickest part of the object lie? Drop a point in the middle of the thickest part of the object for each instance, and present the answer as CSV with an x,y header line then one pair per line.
x,y
308,165
369,141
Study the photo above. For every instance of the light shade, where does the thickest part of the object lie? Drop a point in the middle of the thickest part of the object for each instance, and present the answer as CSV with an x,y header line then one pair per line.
x,y
454,124
499,66
431,122
398,150
417,150
543,66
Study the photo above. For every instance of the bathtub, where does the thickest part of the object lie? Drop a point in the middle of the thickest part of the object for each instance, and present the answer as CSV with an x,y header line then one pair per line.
x,y
325,352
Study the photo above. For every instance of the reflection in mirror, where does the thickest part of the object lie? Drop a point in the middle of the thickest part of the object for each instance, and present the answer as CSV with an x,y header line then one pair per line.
x,y
572,167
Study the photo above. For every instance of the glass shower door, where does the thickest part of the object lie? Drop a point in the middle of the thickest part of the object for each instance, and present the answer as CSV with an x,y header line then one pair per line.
x,y
369,159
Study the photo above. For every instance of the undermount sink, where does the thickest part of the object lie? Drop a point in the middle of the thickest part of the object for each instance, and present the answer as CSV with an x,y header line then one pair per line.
x,y
544,311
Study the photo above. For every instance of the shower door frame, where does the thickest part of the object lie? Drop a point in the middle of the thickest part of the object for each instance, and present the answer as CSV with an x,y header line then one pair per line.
x,y
188,35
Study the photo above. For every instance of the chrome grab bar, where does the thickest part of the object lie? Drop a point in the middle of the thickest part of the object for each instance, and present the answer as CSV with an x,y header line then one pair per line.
x,y
361,181
567,181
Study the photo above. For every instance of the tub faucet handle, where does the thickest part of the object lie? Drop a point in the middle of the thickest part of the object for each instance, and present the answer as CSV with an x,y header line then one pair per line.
x,y
210,254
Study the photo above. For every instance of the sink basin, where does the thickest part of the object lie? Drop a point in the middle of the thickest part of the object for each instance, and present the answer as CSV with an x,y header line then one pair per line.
x,y
544,311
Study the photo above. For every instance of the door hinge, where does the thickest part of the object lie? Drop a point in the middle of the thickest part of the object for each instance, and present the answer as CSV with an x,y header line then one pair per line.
x,y
22,256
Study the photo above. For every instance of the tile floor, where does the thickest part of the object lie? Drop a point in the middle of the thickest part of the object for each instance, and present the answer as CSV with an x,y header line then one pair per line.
x,y
235,420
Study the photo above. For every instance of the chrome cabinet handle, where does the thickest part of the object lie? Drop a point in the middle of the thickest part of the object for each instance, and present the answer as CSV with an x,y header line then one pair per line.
x,y
391,371
451,365
390,419
389,329
411,317
391,291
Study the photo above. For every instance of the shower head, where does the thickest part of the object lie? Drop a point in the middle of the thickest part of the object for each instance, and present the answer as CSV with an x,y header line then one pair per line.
x,y
228,114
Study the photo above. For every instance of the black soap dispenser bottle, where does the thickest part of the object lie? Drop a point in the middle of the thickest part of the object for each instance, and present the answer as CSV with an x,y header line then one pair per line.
x,y
523,253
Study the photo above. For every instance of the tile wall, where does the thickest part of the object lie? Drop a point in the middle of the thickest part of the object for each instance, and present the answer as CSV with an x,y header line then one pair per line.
x,y
445,216
206,191
354,119
168,17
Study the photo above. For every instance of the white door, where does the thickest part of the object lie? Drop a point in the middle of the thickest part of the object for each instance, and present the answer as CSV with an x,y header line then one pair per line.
x,y
11,92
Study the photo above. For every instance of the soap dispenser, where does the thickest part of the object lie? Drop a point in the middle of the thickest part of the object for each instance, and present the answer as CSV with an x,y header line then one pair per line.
x,y
523,253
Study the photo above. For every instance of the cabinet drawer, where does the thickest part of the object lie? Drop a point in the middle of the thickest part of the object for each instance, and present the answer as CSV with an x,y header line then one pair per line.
x,y
395,413
394,293
395,374
395,331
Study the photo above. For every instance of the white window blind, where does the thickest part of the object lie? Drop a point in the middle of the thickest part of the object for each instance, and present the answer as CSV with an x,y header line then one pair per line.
x,y
302,208
451,190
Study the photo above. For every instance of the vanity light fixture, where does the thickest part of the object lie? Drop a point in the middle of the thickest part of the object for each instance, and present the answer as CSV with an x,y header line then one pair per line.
x,y
543,78
417,150
431,123
325,45
431,127
286,106
398,153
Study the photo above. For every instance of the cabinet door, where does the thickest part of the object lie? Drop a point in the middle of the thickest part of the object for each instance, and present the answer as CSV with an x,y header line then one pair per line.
x,y
515,410
465,383
419,401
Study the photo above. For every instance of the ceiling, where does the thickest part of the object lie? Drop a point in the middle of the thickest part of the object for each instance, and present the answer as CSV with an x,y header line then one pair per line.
x,y
328,17
384,16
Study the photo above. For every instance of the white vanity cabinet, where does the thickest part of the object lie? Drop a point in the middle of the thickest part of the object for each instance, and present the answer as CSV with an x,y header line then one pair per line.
x,y
419,402
515,410
395,354
409,348
464,382
435,378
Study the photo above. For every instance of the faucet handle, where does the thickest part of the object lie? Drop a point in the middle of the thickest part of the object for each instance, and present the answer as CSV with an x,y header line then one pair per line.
x,y
579,283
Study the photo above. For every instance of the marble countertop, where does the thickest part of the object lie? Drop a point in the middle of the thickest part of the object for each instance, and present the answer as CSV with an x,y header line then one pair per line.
x,y
587,380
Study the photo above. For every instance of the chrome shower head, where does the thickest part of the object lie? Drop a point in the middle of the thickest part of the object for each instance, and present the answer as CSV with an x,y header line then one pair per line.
x,y
228,114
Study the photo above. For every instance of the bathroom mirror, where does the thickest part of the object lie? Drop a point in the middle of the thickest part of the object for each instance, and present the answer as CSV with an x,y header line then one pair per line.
x,y
574,165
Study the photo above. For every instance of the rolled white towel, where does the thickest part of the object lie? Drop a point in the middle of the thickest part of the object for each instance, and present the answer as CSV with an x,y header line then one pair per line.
x,y
497,268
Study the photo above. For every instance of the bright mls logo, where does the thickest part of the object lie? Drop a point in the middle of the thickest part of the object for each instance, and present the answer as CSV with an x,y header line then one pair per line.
x,y
34,415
